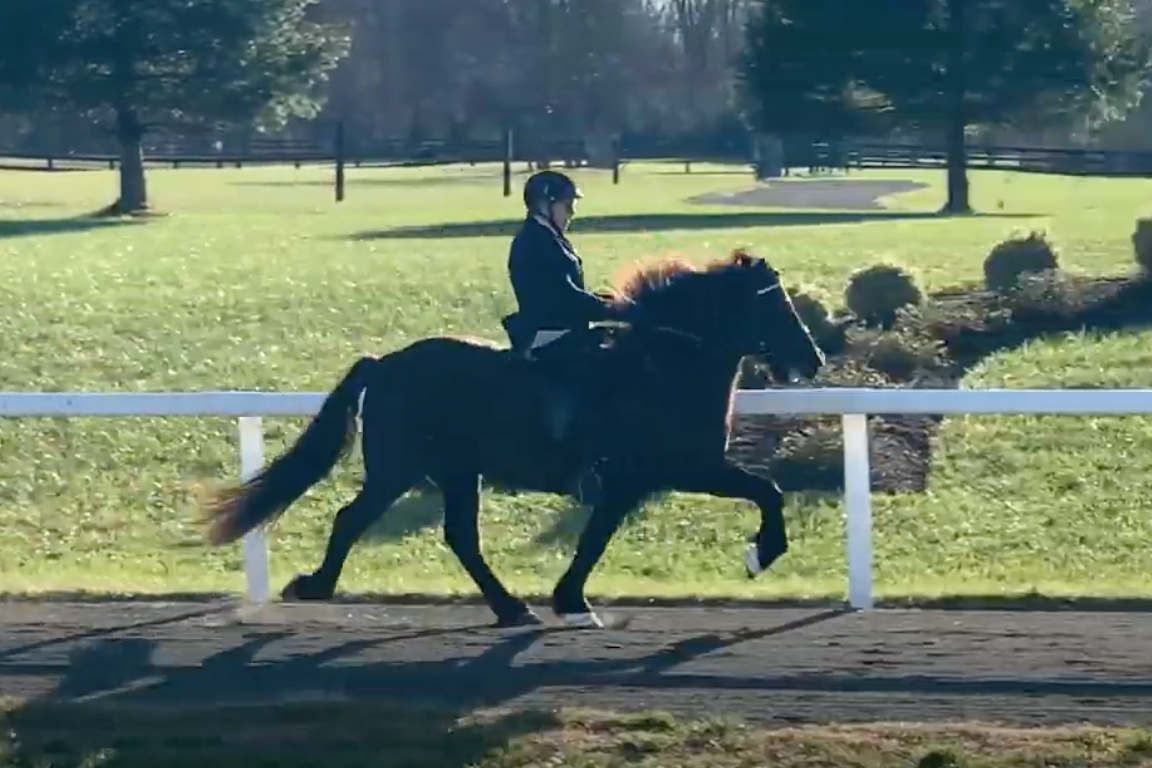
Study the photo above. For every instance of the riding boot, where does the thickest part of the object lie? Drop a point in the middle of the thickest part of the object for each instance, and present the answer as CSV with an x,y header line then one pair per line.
x,y
587,482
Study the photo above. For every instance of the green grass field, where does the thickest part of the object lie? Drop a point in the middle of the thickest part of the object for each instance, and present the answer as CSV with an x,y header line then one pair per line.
x,y
258,281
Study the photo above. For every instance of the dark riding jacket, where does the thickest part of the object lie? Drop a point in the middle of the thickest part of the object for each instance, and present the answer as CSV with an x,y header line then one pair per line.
x,y
548,280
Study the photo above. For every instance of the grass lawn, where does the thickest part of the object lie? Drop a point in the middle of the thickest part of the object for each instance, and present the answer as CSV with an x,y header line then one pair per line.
x,y
258,281
359,734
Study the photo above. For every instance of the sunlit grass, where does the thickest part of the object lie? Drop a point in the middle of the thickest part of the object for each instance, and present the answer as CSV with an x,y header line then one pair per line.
x,y
257,280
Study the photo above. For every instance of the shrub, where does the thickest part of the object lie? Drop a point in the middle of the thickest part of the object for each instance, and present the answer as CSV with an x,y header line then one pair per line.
x,y
850,371
806,449
1017,256
754,374
876,294
812,457
1142,244
1047,297
977,312
812,309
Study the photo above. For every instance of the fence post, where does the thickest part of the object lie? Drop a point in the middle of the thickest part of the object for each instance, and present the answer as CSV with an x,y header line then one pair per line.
x,y
255,543
509,156
338,145
858,510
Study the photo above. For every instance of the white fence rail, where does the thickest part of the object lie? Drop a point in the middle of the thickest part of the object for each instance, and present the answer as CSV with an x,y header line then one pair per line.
x,y
853,405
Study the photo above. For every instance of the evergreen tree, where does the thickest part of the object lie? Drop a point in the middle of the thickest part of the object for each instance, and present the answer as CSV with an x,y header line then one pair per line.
x,y
142,64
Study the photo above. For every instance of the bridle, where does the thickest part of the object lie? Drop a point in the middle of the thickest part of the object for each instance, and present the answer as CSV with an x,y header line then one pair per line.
x,y
696,338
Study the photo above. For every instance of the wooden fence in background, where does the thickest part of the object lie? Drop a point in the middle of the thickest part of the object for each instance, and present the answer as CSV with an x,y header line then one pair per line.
x,y
850,155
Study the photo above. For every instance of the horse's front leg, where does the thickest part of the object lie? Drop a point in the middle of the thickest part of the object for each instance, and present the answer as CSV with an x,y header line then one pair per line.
x,y
728,480
620,496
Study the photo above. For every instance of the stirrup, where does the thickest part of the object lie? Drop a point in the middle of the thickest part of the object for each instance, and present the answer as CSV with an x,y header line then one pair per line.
x,y
589,485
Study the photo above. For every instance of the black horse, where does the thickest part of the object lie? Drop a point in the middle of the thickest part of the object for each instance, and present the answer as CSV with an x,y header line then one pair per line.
x,y
453,410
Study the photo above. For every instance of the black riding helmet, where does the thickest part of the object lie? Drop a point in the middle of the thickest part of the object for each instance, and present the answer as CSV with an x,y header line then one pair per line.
x,y
549,187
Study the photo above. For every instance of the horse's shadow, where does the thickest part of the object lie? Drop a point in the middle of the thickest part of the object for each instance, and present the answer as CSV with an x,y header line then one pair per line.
x,y
418,510
423,508
568,522
132,699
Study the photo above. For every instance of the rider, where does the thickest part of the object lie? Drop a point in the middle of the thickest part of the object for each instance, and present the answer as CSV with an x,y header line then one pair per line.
x,y
548,280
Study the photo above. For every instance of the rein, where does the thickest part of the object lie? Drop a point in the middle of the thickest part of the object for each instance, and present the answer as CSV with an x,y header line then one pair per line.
x,y
693,337
677,332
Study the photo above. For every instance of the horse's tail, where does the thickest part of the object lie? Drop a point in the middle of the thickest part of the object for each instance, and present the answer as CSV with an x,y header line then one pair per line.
x,y
327,439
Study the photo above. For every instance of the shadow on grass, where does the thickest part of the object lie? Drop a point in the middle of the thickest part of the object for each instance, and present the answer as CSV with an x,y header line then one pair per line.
x,y
662,222
10,228
678,170
569,521
652,222
416,511
352,180
567,526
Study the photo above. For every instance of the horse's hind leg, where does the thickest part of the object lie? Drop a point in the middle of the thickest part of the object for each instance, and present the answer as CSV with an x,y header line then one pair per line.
x,y
350,524
389,472
462,534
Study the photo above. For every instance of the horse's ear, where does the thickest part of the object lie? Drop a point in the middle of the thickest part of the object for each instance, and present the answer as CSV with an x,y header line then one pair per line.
x,y
742,258
748,261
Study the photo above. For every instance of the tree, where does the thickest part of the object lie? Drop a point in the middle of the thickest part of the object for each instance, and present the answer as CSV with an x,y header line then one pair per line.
x,y
137,66
592,67
796,71
947,65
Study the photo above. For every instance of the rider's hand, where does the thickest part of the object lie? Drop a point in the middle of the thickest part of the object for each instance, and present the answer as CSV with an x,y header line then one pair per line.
x,y
628,311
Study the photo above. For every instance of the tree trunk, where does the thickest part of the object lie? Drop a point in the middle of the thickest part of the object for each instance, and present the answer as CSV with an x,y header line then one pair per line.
x,y
133,187
957,159
955,140
769,156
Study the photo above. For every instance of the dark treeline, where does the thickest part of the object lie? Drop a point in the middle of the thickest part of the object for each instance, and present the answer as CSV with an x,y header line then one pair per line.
x,y
556,70
565,69
125,76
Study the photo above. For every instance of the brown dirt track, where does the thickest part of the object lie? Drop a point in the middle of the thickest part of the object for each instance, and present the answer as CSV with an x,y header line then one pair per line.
x,y
763,664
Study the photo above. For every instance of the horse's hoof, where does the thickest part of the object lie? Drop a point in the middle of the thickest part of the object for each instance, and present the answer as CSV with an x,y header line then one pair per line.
x,y
582,621
301,589
291,591
526,618
752,565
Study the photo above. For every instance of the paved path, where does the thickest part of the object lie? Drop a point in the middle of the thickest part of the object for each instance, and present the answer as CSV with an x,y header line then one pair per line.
x,y
791,665
841,194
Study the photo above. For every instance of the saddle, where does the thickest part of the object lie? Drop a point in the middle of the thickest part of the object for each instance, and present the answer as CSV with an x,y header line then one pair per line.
x,y
574,344
567,368
519,334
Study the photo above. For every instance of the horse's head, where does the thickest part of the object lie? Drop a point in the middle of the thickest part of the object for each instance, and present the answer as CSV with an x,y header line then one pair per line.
x,y
768,323
735,305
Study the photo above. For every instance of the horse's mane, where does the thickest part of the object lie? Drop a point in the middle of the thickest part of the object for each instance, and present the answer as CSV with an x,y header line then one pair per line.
x,y
650,277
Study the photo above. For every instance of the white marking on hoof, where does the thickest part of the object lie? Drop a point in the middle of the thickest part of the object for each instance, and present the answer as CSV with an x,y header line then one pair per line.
x,y
752,560
583,621
360,410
